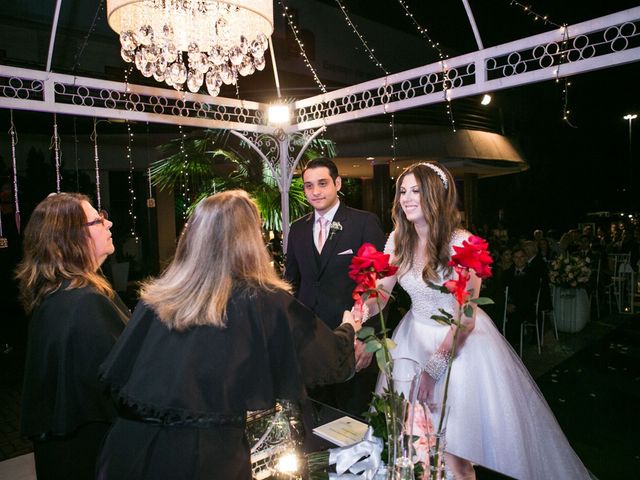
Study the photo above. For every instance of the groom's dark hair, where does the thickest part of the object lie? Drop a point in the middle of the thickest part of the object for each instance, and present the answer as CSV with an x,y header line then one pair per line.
x,y
319,162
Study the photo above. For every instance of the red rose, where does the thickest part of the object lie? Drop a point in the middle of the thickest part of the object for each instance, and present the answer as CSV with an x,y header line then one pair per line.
x,y
369,259
366,267
473,254
459,287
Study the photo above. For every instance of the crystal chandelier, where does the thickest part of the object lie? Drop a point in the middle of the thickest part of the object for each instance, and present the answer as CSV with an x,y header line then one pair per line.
x,y
193,41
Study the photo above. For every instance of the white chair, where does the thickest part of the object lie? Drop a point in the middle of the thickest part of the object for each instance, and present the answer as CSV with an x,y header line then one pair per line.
x,y
526,324
622,282
504,313
543,316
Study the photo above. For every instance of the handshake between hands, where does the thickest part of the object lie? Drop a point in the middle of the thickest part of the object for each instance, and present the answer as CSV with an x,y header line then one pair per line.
x,y
356,317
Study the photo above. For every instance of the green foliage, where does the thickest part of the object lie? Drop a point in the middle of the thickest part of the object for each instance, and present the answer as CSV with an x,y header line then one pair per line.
x,y
210,161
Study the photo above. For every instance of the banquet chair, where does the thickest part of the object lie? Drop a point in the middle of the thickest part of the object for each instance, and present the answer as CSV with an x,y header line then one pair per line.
x,y
504,312
543,314
621,279
595,293
527,324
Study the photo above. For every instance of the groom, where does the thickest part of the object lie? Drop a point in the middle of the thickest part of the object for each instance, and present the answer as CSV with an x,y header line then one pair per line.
x,y
319,251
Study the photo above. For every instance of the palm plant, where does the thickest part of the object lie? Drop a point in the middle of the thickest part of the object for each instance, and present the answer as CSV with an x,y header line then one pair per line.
x,y
214,160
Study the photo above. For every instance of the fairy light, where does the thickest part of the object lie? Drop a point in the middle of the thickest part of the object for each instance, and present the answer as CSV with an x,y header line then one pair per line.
x,y
94,139
422,31
184,175
80,51
55,145
442,57
538,17
14,164
303,54
369,50
132,193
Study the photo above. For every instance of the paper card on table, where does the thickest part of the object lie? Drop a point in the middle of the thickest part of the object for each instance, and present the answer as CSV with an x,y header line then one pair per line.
x,y
343,432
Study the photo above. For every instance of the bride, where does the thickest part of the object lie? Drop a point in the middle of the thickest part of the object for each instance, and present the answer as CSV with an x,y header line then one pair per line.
x,y
498,418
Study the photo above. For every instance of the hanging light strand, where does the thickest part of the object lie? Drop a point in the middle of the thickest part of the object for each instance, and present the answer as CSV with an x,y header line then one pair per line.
x,y
377,63
369,50
441,56
96,159
184,175
14,164
565,81
422,31
80,51
537,17
55,145
132,194
294,30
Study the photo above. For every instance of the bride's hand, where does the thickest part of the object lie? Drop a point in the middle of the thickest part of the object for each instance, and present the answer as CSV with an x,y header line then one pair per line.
x,y
425,389
352,320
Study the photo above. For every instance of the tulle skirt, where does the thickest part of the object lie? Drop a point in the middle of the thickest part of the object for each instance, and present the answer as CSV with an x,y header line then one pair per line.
x,y
498,417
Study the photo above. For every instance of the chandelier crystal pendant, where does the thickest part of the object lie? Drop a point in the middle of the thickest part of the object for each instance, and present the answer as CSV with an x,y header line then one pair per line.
x,y
191,42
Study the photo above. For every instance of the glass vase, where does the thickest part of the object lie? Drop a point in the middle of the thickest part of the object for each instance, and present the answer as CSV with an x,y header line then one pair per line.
x,y
401,377
437,442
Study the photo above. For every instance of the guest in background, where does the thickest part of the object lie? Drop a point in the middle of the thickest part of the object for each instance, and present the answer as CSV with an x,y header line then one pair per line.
x,y
523,286
216,335
76,318
545,251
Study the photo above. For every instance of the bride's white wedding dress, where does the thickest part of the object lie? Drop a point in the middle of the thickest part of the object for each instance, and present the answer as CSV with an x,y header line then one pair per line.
x,y
498,416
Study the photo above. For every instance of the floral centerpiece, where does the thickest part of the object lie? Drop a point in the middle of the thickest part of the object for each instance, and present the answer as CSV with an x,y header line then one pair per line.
x,y
570,271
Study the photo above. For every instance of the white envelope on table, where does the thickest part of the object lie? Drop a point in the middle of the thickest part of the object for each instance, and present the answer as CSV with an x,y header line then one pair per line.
x,y
346,252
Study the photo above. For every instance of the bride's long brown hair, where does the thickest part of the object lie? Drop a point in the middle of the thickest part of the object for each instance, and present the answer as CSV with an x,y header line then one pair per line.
x,y
438,203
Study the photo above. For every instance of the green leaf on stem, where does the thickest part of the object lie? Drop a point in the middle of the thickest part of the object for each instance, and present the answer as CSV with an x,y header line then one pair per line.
x,y
468,310
391,344
445,313
440,288
441,319
381,360
366,332
483,301
372,346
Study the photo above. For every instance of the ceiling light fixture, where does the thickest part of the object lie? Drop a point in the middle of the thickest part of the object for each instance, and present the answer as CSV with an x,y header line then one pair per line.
x,y
193,41
486,99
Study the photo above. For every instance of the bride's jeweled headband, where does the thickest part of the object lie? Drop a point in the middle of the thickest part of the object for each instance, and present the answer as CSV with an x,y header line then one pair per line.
x,y
440,172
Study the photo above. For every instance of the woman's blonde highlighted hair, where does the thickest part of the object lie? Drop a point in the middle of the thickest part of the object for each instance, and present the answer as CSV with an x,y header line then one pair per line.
x,y
438,202
220,247
57,248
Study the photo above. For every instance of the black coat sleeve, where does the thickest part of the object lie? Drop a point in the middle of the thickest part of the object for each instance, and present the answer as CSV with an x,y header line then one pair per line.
x,y
291,269
325,356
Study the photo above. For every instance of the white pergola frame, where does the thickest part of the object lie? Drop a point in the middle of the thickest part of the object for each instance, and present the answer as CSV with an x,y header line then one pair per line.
x,y
591,45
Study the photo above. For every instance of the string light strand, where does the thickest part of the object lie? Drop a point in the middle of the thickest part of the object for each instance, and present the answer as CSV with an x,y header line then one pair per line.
x,y
303,53
422,31
55,145
80,51
96,159
14,165
354,28
536,16
132,193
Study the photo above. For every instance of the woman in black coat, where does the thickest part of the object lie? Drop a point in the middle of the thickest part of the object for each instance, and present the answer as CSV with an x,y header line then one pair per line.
x,y
76,318
217,335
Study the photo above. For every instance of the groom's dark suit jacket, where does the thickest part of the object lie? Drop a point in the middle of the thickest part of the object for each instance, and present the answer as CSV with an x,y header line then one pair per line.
x,y
321,281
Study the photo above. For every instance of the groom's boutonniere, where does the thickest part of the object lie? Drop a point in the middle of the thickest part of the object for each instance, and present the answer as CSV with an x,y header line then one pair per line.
x,y
333,228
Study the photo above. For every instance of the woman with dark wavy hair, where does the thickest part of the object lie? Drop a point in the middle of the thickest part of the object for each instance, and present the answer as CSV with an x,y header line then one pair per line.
x,y
216,335
76,318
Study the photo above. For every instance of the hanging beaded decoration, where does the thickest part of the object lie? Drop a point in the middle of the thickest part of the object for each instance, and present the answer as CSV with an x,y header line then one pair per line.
x,y
94,139
55,145
151,202
14,142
